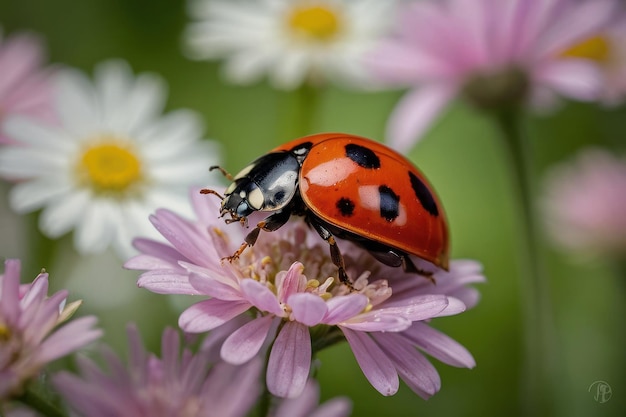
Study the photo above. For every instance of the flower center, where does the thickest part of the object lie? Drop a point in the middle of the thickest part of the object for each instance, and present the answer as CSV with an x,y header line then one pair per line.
x,y
110,166
316,23
5,333
595,48
495,89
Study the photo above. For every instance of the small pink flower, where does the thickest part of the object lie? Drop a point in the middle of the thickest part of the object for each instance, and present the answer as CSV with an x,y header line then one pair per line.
x,y
584,203
24,86
179,383
28,318
286,283
493,51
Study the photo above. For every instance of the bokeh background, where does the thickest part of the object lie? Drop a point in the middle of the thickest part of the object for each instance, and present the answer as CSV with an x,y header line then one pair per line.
x,y
461,155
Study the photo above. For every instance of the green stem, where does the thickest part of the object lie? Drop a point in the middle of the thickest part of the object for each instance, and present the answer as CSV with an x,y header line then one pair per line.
x,y
300,112
42,249
540,361
37,402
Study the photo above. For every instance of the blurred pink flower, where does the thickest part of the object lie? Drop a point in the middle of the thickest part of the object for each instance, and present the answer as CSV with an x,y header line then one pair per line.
x,y
494,51
28,339
177,384
584,203
306,405
382,319
24,86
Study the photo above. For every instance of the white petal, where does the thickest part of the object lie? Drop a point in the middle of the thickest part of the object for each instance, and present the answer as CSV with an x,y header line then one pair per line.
x,y
97,227
63,214
32,195
31,132
77,104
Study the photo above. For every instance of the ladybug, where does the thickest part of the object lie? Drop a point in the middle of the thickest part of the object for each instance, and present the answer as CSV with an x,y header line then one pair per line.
x,y
347,187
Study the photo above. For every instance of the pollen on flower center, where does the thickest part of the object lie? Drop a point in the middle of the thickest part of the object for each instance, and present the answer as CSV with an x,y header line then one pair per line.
x,y
596,48
5,333
109,166
316,23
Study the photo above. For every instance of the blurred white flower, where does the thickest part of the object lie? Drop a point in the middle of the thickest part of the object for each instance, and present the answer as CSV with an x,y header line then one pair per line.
x,y
292,41
585,204
109,162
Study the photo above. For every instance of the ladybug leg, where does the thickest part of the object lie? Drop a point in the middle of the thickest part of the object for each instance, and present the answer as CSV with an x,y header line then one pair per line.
x,y
409,266
395,259
335,253
270,224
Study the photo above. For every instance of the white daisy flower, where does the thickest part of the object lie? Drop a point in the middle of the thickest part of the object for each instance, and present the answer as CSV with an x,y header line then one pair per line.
x,y
109,162
292,41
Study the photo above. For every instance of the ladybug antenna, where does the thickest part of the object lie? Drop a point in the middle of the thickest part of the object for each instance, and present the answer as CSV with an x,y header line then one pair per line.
x,y
213,192
223,171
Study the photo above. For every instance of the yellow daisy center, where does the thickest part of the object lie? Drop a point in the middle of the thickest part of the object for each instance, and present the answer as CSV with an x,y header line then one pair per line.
x,y
595,48
5,333
316,23
110,166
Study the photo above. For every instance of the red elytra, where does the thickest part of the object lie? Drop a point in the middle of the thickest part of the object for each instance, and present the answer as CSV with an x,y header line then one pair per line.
x,y
346,186
328,175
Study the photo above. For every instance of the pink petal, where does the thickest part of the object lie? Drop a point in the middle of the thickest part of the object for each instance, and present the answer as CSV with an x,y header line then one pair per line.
x,y
454,307
10,292
376,322
73,336
414,114
574,78
343,307
166,282
414,369
290,283
261,297
209,314
184,236
421,307
154,255
244,343
439,345
290,361
221,399
301,405
375,364
337,407
307,308
214,287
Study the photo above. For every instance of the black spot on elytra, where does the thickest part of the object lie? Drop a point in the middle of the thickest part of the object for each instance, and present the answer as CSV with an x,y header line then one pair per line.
x,y
362,156
389,203
423,195
345,206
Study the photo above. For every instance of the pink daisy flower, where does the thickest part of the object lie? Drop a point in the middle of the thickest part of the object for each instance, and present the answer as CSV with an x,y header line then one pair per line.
x,y
179,383
493,51
285,283
24,85
584,203
28,318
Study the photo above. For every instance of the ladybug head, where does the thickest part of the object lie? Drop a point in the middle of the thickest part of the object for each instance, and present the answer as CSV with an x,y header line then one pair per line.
x,y
242,198
268,184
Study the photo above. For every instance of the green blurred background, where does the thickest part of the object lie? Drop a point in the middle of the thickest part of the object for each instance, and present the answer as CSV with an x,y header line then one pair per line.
x,y
462,157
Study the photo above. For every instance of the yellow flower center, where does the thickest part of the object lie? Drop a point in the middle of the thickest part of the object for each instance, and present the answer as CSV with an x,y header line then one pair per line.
x,y
110,166
316,23
596,48
5,333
